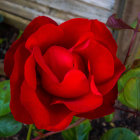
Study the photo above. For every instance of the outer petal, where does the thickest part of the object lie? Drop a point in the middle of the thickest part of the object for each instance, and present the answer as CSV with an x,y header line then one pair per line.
x,y
16,79
45,37
85,103
104,36
118,70
31,28
44,115
73,29
105,109
35,24
9,57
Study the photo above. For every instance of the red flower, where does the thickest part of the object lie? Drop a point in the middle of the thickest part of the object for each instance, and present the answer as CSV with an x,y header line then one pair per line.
x,y
57,72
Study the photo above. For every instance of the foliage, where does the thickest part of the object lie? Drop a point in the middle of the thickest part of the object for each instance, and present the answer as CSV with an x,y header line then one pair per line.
x,y
80,132
119,134
129,88
9,126
4,97
109,118
20,33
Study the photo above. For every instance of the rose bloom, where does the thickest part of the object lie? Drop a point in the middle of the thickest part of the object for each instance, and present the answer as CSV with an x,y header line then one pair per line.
x,y
57,72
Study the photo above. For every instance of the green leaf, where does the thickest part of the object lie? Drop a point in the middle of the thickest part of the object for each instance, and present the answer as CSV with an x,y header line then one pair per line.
x,y
134,24
137,56
80,132
119,134
129,88
109,118
4,97
9,126
36,132
130,74
20,33
130,96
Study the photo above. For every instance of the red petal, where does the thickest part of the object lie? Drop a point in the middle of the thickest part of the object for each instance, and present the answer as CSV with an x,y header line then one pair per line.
x,y
100,60
16,79
9,57
74,84
107,86
44,115
45,37
30,71
35,24
42,65
79,62
86,103
31,28
104,36
59,60
106,108
73,29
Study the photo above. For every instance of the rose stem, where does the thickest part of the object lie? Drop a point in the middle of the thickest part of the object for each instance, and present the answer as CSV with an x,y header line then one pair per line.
x,y
131,43
129,111
70,126
29,132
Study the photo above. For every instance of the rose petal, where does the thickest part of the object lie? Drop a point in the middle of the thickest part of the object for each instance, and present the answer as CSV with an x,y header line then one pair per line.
x,y
105,109
104,36
100,60
45,37
42,65
73,29
31,28
59,60
30,71
79,63
86,103
35,24
16,79
9,57
74,84
108,85
43,114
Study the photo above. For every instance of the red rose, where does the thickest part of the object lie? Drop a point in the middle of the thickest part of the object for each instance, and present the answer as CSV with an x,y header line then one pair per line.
x,y
57,72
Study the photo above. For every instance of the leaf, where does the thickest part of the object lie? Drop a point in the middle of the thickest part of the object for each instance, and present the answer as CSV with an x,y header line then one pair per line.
x,y
4,97
119,134
129,88
126,76
20,33
80,132
9,126
117,23
37,132
130,96
137,56
134,24
109,117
